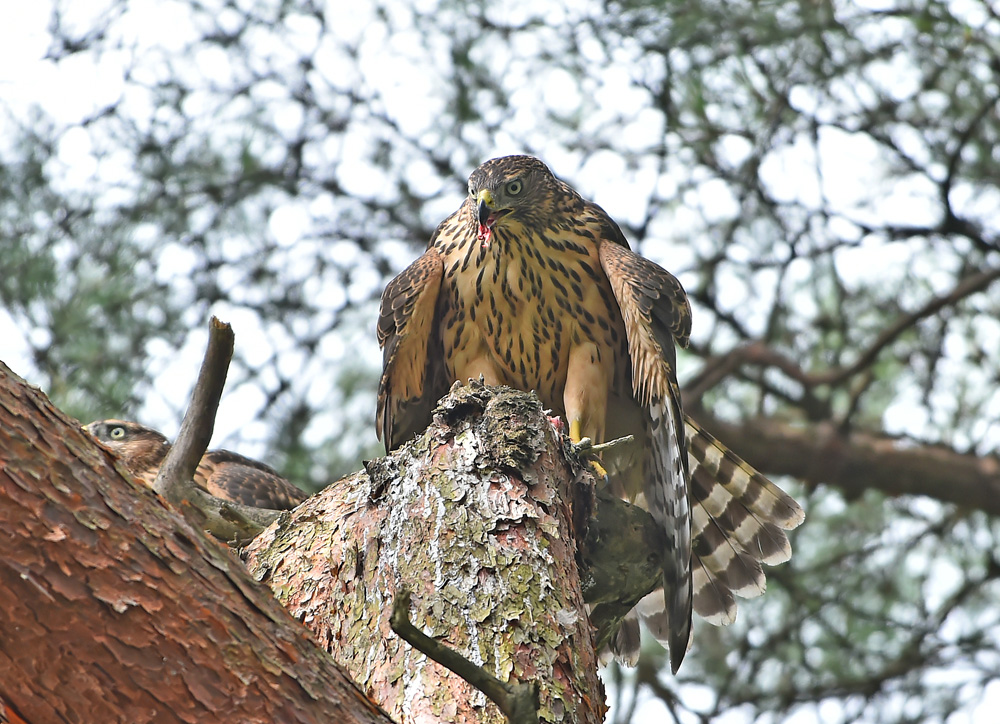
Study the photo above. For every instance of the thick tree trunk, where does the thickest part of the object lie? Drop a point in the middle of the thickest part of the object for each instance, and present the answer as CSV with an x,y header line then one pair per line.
x,y
114,609
476,518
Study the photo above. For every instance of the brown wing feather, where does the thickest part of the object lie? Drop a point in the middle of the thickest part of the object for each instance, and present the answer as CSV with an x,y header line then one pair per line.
x,y
240,479
407,334
657,315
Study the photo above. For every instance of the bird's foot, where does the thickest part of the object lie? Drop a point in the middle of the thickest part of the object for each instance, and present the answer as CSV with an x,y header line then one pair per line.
x,y
585,448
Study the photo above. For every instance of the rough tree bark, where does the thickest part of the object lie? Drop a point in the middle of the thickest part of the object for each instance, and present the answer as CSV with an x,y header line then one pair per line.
x,y
114,609
475,518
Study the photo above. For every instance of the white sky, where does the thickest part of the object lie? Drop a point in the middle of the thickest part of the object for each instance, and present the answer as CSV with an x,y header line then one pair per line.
x,y
850,163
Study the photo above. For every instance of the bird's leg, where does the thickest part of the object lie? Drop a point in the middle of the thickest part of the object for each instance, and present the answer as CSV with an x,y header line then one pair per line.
x,y
585,399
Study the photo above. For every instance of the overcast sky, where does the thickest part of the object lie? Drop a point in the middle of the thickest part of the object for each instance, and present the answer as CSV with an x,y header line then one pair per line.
x,y
851,174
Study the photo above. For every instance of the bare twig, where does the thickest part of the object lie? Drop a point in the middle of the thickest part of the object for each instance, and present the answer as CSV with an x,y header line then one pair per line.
x,y
587,447
518,702
966,287
713,371
175,480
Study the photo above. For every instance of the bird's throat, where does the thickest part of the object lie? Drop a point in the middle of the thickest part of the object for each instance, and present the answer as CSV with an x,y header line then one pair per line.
x,y
484,235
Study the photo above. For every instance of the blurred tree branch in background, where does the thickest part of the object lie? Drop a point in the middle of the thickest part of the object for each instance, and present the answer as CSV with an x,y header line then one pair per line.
x,y
821,176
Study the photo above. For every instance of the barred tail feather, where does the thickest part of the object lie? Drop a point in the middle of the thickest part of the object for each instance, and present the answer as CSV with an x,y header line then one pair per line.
x,y
733,515
721,554
666,492
713,598
657,621
740,482
739,519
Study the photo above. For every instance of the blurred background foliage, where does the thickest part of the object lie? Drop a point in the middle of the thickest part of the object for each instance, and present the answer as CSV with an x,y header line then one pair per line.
x,y
821,176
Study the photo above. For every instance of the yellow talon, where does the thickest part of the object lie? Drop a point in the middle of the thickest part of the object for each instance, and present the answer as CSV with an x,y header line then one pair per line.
x,y
598,469
583,445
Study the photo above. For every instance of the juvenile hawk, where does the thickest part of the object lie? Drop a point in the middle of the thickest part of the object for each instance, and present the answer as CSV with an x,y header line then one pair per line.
x,y
532,286
221,473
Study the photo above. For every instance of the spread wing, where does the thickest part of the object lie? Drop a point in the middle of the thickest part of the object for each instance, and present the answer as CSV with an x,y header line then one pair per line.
x,y
657,316
411,382
240,479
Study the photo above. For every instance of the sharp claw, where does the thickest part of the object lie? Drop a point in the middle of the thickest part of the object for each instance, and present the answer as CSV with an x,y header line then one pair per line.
x,y
598,469
584,448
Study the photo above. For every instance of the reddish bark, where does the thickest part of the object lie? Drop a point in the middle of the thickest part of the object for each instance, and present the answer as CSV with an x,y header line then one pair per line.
x,y
113,608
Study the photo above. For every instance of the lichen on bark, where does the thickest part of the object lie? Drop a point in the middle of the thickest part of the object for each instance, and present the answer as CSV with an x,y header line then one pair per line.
x,y
475,517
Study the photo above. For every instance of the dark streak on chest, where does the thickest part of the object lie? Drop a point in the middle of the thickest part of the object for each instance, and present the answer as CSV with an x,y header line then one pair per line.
x,y
528,297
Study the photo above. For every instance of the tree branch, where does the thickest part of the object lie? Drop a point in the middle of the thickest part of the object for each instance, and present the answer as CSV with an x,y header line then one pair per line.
x,y
858,462
479,517
175,480
758,353
93,564
965,287
518,702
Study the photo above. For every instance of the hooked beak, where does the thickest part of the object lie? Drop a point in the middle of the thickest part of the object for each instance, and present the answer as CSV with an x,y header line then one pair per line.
x,y
488,216
485,208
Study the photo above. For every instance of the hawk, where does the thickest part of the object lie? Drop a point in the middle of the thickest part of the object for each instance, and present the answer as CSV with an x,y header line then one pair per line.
x,y
221,473
530,285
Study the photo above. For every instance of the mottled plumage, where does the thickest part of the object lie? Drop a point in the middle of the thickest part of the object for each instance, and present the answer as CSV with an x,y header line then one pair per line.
x,y
221,473
530,285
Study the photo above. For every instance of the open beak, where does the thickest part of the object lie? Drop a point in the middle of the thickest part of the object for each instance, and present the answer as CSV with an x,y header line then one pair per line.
x,y
488,216
486,219
484,209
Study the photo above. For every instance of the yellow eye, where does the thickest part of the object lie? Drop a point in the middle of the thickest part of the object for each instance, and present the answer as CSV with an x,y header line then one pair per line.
x,y
117,433
514,187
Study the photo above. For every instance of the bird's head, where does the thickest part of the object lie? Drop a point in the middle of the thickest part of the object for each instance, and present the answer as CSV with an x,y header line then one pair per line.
x,y
140,448
511,188
117,432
